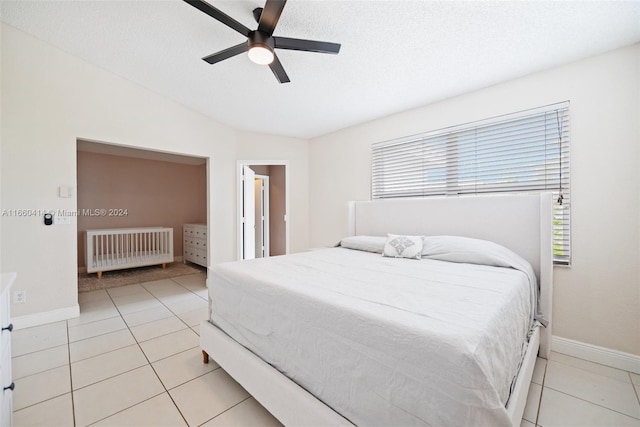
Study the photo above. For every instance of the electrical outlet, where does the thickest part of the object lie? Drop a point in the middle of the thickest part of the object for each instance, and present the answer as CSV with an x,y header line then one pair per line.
x,y
19,297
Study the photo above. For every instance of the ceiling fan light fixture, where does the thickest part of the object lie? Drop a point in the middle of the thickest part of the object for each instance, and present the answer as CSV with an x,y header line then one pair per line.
x,y
260,48
261,54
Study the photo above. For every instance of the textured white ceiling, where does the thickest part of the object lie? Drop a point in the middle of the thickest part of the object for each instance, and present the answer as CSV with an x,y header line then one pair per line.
x,y
395,55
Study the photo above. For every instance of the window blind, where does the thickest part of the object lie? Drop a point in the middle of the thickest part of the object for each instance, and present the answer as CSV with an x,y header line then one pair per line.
x,y
521,152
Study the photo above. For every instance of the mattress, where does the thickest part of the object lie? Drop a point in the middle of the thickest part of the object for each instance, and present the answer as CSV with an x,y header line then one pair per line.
x,y
382,341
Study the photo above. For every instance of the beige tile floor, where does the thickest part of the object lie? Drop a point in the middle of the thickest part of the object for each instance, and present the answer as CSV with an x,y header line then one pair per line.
x,y
132,359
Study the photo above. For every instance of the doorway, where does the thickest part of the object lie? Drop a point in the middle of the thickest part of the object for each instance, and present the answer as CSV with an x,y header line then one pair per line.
x,y
137,185
263,226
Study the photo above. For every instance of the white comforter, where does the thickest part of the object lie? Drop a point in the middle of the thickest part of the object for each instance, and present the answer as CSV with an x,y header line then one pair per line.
x,y
383,341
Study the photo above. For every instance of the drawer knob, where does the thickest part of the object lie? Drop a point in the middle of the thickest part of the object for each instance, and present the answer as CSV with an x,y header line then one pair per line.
x,y
10,386
8,328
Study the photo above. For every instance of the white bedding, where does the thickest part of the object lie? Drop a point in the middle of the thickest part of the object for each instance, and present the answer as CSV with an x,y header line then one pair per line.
x,y
383,341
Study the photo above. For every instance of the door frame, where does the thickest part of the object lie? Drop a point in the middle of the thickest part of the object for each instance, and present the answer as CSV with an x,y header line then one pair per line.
x,y
266,251
239,165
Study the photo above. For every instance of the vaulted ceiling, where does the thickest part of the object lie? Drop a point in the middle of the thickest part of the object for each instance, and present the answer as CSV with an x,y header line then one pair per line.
x,y
396,55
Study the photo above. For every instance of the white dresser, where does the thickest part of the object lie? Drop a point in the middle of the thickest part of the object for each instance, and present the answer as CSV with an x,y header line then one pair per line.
x,y
6,380
194,244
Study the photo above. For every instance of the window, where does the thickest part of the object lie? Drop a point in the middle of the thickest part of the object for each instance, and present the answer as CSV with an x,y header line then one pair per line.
x,y
521,152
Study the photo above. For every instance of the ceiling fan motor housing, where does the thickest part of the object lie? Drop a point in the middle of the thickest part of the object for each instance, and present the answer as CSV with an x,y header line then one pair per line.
x,y
257,38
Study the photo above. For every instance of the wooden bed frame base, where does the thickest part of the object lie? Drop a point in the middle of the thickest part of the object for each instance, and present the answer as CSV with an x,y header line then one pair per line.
x,y
293,406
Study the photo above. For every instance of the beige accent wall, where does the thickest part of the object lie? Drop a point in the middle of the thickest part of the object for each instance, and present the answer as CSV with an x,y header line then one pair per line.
x,y
597,299
153,193
277,210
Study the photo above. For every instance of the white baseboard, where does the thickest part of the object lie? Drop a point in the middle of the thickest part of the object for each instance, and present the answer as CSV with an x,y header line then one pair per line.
x,y
29,320
593,353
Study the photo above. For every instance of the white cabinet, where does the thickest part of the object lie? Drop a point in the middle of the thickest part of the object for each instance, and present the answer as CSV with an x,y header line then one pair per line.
x,y
6,380
194,244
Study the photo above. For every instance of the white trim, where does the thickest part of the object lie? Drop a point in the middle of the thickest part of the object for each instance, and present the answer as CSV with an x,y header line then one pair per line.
x,y
593,353
36,319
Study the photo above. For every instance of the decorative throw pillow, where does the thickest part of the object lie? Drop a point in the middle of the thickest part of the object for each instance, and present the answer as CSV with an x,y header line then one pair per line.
x,y
398,246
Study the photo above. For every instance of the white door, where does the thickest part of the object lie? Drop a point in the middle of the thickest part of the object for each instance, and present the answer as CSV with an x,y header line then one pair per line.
x,y
248,214
262,216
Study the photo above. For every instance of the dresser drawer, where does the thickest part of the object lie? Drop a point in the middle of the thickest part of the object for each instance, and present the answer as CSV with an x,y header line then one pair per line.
x,y
195,230
201,256
200,243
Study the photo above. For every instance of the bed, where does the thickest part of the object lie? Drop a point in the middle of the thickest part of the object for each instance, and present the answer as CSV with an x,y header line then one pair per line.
x,y
341,336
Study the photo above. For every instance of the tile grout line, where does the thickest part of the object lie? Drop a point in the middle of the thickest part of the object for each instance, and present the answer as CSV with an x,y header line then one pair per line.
x,y
188,327
592,403
124,409
219,367
112,376
69,363
635,389
42,349
544,377
51,369
147,359
169,308
590,371
73,406
137,343
226,410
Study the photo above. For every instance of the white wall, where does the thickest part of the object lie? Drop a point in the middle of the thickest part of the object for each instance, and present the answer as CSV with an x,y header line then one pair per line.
x,y
597,299
50,99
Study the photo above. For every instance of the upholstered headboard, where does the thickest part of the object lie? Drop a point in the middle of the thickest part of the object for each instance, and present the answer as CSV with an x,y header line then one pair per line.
x,y
522,223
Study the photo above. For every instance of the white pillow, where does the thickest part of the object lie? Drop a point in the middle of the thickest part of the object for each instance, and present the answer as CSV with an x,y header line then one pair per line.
x,y
466,250
373,244
398,246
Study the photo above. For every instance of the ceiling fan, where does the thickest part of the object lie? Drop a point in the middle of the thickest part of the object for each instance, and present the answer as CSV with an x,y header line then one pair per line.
x,y
261,43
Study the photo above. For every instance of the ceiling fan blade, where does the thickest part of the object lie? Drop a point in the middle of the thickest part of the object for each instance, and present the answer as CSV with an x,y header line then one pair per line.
x,y
306,45
227,53
278,70
219,15
270,16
